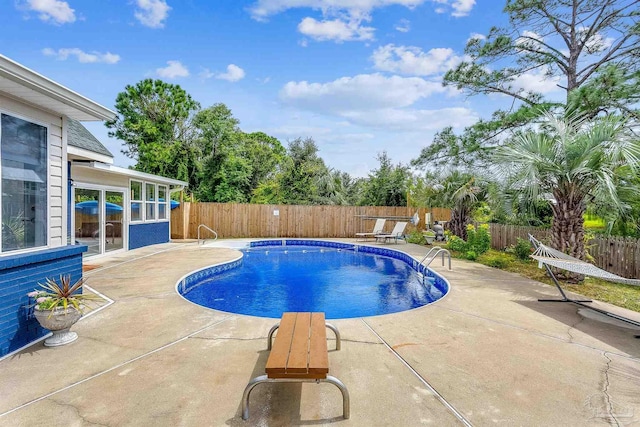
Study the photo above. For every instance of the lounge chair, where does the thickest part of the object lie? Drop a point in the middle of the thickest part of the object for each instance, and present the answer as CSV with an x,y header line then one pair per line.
x,y
377,229
396,233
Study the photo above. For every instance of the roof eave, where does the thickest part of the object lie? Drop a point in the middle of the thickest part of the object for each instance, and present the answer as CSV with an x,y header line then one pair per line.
x,y
133,174
28,78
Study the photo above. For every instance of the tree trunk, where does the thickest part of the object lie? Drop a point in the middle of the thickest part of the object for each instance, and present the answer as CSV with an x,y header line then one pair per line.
x,y
458,223
567,230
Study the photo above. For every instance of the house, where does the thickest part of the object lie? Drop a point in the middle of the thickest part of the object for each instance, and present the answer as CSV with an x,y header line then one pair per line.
x,y
61,197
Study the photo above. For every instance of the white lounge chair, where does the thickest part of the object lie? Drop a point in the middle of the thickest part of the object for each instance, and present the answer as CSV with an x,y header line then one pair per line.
x,y
377,229
396,233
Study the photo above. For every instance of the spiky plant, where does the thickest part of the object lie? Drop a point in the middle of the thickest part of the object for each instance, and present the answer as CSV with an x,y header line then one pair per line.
x,y
60,294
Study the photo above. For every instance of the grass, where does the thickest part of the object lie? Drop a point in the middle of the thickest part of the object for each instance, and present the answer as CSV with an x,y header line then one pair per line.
x,y
626,296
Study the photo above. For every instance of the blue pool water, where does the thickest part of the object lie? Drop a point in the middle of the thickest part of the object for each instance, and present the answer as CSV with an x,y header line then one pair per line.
x,y
341,282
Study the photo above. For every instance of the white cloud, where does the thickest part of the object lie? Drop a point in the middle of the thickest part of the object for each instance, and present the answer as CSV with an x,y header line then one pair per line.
x,y
462,7
233,74
55,11
152,13
206,74
410,60
476,36
362,92
173,70
411,120
597,43
537,81
336,30
530,40
404,26
262,9
376,101
83,57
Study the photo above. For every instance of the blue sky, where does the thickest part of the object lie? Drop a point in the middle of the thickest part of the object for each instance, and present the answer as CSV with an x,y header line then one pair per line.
x,y
358,76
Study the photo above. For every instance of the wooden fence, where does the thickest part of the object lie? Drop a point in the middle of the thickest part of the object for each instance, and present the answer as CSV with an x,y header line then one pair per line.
x,y
248,220
617,255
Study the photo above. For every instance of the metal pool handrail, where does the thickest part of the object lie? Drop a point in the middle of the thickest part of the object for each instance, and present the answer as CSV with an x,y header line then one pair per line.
x,y
437,251
216,238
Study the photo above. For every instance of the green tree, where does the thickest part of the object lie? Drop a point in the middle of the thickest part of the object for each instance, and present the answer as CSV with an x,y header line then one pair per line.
x,y
225,175
264,154
462,193
590,46
301,173
387,185
153,122
577,162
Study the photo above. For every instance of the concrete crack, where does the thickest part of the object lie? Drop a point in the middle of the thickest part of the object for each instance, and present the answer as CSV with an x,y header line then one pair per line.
x,y
610,410
580,320
77,411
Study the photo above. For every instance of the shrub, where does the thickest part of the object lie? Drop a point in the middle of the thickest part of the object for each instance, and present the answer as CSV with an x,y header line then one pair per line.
x,y
478,241
457,244
522,249
483,239
416,237
471,255
497,260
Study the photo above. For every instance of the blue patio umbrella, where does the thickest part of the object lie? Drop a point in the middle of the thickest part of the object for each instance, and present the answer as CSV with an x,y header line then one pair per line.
x,y
91,207
174,204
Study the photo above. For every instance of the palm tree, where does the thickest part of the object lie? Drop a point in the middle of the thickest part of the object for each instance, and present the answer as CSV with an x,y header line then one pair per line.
x,y
576,162
457,190
462,191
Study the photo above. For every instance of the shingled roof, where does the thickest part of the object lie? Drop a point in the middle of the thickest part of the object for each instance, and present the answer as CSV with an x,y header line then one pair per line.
x,y
78,136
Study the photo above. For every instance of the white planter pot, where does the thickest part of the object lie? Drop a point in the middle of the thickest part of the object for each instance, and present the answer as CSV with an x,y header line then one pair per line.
x,y
430,239
58,321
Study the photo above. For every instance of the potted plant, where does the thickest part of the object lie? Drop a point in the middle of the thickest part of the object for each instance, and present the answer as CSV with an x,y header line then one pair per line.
x,y
58,305
429,236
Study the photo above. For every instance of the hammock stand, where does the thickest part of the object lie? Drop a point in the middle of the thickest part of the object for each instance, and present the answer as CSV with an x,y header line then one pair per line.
x,y
550,257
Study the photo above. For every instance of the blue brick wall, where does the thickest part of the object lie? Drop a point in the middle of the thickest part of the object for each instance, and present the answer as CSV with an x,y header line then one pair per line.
x,y
20,274
148,234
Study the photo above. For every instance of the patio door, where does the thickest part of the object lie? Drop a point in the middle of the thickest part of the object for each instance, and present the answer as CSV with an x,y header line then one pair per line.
x,y
99,220
114,221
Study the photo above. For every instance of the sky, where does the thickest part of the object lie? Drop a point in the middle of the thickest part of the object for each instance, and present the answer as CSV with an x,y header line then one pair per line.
x,y
358,76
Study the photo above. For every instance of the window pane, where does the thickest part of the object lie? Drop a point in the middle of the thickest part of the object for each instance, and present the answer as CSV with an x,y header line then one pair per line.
x,y
24,183
162,193
136,190
151,211
136,212
162,211
150,192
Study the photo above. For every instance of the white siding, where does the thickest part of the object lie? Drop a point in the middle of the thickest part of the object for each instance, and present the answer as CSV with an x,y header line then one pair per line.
x,y
57,161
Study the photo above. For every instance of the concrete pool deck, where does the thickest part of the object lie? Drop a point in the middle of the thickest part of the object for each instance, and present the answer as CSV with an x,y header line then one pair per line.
x,y
487,354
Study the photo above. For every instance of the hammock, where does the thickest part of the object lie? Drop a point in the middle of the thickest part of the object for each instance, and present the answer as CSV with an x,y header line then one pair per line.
x,y
551,257
546,255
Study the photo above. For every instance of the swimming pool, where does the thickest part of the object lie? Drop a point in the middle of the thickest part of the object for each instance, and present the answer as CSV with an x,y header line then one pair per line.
x,y
342,280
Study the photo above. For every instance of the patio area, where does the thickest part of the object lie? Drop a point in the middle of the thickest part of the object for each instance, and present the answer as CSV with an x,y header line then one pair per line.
x,y
488,353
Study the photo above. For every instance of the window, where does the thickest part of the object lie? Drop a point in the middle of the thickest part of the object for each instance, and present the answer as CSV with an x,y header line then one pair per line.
x,y
136,201
162,202
150,201
23,151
